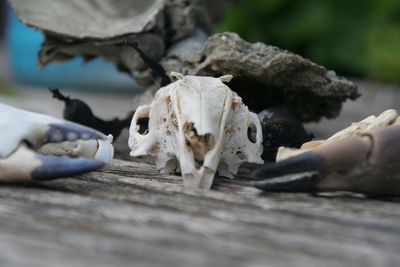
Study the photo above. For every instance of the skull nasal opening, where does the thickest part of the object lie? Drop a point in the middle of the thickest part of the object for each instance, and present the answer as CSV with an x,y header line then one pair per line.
x,y
198,144
252,133
142,115
143,124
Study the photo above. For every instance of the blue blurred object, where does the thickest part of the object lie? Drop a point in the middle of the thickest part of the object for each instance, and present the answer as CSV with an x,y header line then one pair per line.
x,y
23,45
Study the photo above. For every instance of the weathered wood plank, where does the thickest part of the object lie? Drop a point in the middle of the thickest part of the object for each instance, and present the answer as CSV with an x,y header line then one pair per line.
x,y
129,213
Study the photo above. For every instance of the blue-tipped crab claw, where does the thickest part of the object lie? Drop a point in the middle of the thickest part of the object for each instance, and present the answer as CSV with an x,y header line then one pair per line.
x,y
366,162
38,147
26,165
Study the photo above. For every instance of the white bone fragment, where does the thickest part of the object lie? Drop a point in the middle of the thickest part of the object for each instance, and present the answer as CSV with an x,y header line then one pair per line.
x,y
356,128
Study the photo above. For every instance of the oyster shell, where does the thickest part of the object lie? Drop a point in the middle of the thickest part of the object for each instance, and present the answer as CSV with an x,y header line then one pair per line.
x,y
91,28
100,19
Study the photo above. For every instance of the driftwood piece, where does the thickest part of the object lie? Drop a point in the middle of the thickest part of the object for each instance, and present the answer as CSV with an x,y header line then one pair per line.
x,y
130,215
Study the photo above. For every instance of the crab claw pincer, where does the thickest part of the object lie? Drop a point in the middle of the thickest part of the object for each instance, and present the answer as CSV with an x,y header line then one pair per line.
x,y
26,165
366,163
38,147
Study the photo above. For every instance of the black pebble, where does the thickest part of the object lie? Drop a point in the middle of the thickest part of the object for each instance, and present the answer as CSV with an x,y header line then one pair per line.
x,y
281,128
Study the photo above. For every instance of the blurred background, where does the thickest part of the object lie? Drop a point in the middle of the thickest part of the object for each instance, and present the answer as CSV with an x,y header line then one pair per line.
x,y
19,48
359,38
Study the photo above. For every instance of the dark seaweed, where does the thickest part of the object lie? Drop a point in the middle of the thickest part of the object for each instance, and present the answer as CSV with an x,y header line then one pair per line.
x,y
78,111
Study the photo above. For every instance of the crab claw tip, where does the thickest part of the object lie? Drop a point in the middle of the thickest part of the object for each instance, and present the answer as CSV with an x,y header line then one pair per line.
x,y
304,182
309,161
56,167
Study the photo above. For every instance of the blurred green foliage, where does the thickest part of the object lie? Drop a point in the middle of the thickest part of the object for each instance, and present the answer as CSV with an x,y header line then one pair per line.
x,y
358,37
5,89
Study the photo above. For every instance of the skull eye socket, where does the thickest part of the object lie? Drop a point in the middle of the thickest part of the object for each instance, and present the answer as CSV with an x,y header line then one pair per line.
x,y
143,124
252,133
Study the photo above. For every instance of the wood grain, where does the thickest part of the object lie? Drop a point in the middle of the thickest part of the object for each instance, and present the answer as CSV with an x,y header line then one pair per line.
x,y
130,215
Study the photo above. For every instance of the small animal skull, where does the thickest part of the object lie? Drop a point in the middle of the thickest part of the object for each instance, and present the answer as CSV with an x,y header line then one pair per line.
x,y
201,124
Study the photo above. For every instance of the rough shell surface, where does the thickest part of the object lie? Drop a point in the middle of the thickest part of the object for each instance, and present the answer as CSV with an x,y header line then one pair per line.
x,y
197,126
267,76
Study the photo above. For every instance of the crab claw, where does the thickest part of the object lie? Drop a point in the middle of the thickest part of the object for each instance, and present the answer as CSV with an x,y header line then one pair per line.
x,y
366,163
38,147
26,165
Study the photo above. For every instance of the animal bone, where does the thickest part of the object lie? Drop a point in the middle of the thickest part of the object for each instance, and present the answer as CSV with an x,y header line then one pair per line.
x,y
201,124
27,138
363,158
356,128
